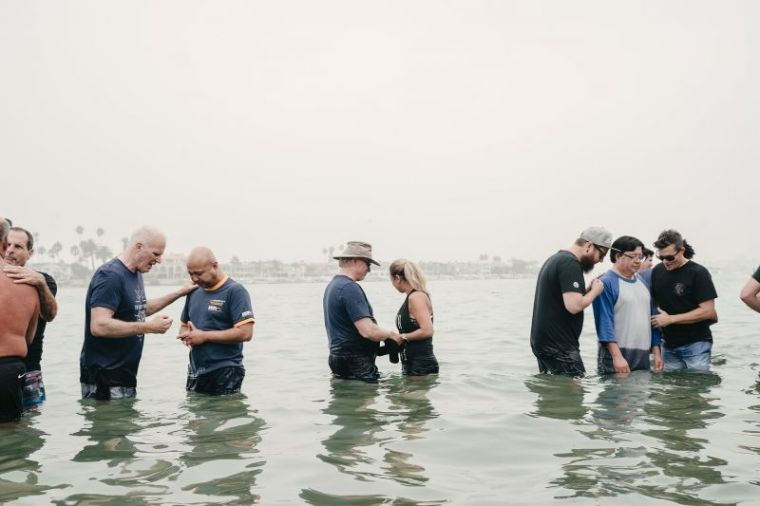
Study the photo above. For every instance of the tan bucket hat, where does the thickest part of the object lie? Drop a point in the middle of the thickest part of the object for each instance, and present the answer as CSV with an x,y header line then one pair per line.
x,y
357,249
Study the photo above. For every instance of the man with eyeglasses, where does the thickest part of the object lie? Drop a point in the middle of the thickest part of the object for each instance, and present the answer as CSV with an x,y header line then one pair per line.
x,y
751,290
622,314
685,294
560,298
352,331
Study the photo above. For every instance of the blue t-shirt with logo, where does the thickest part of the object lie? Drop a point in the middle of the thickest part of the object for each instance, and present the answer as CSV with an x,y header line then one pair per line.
x,y
107,360
221,308
344,303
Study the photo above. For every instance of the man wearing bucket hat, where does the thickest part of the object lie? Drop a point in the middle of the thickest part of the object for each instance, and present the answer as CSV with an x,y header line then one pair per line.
x,y
352,331
560,298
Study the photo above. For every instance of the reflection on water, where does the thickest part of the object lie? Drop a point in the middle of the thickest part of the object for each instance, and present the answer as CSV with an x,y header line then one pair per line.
x,y
367,433
643,427
19,472
559,397
109,426
222,429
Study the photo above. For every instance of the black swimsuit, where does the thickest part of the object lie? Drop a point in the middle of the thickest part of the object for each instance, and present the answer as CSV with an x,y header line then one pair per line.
x,y
417,358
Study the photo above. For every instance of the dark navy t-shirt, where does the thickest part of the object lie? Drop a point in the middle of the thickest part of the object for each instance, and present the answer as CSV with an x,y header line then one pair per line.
x,y
344,303
756,275
224,308
108,360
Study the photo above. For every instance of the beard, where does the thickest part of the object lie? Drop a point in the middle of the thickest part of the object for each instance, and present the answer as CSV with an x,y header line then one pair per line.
x,y
587,263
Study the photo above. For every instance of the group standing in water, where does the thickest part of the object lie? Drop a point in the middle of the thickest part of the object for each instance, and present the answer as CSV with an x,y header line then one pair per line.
x,y
640,312
666,312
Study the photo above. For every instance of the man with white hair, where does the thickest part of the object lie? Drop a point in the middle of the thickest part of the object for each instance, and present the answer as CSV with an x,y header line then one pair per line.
x,y
352,332
18,322
216,321
115,318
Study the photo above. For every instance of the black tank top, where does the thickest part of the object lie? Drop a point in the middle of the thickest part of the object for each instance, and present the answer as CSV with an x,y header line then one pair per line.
x,y
405,323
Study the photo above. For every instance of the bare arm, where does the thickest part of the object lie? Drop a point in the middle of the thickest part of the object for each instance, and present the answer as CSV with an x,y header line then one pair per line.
x,y
619,363
192,336
27,276
103,324
576,303
420,311
749,294
370,330
31,328
157,304
705,311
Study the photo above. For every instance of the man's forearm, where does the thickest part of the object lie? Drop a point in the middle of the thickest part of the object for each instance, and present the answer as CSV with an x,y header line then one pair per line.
x,y
48,304
157,304
113,328
233,335
694,316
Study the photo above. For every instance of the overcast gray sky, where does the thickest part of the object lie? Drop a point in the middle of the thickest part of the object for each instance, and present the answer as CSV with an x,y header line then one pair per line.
x,y
435,130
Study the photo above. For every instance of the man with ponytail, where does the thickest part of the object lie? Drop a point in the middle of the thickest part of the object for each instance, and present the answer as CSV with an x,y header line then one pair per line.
x,y
685,294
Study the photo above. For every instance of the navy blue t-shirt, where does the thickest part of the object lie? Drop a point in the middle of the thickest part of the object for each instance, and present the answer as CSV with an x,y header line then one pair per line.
x,y
107,360
756,275
344,303
224,308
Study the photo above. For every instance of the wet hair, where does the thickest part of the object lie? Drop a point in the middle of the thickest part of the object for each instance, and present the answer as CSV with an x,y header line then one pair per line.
x,y
4,227
409,272
670,236
624,244
646,252
29,237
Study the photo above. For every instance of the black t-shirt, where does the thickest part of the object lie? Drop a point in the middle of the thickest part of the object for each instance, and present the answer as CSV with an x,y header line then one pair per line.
x,y
756,275
554,329
107,360
681,291
34,355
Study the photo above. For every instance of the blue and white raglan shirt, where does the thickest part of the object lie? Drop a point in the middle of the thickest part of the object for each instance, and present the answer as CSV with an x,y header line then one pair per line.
x,y
622,314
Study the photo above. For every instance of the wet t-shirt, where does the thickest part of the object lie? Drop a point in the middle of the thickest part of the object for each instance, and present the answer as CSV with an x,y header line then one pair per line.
x,y
554,329
681,291
344,303
113,361
220,308
34,356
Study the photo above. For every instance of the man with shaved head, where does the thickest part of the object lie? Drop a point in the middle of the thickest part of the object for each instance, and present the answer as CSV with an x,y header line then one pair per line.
x,y
216,321
19,310
115,318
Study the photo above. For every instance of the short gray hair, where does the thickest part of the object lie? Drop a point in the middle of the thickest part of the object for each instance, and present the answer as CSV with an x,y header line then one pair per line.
x,y
4,228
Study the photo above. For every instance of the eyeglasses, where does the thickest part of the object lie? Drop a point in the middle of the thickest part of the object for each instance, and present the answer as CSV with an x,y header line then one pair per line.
x,y
667,258
633,256
602,251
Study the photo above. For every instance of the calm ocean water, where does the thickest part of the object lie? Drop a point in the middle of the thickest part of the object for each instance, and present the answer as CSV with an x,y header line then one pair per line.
x,y
487,430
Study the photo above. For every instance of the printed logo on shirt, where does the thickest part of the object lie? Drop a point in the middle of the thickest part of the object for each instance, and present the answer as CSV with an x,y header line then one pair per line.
x,y
576,284
679,289
215,305
247,314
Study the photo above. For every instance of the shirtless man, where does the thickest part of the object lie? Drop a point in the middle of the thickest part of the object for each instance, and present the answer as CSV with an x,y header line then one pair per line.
x,y
18,323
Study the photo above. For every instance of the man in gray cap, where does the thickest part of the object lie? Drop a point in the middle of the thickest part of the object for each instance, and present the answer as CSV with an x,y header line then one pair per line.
x,y
352,331
561,296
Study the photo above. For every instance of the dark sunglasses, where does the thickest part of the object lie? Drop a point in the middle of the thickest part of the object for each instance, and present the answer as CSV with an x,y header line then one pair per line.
x,y
602,251
667,258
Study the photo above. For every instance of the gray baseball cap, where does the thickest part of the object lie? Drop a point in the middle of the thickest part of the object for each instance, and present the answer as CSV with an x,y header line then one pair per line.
x,y
598,235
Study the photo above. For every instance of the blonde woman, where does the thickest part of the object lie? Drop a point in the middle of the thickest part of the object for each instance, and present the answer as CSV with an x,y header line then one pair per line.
x,y
414,319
